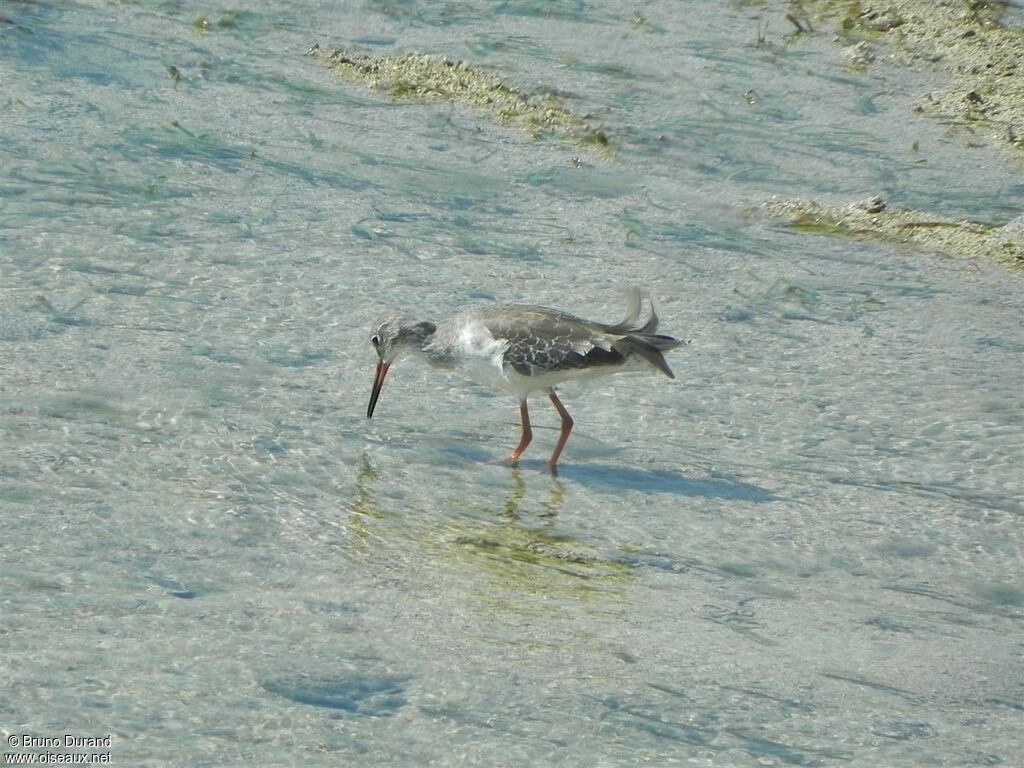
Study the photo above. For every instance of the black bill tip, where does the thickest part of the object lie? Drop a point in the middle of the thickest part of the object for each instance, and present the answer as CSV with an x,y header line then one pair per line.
x,y
378,384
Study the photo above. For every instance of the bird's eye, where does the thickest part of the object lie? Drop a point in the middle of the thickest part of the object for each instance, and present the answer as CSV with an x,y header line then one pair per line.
x,y
375,340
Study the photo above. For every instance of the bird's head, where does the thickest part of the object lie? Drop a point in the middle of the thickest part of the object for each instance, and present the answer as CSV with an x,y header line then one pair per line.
x,y
394,336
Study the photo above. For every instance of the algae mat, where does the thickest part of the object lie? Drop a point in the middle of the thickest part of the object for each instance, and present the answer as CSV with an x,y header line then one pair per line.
x,y
873,219
424,77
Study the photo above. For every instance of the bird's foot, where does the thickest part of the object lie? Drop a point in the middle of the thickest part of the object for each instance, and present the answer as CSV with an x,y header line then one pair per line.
x,y
512,460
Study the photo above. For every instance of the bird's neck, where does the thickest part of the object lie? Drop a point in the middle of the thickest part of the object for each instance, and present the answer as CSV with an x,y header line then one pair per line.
x,y
432,348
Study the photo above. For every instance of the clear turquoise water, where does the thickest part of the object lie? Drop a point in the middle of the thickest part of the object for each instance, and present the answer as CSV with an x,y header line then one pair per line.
x,y
805,551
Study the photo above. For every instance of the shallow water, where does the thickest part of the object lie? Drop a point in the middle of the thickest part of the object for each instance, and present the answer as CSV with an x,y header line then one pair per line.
x,y
806,550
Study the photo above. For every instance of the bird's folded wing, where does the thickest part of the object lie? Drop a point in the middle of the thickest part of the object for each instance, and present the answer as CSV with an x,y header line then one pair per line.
x,y
541,340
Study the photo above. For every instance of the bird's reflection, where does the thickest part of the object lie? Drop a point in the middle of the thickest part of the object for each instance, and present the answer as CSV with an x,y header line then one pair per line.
x,y
516,541
526,552
364,507
517,495
364,504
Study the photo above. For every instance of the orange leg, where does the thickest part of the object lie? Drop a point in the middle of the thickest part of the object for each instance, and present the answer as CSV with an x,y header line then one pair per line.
x,y
527,434
566,428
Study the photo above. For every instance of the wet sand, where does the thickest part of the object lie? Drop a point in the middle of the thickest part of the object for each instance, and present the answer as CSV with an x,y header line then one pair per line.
x,y
985,98
983,58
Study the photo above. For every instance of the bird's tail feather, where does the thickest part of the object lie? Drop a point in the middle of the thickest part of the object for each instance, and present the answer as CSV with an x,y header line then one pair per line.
x,y
642,340
649,346
630,323
652,323
632,317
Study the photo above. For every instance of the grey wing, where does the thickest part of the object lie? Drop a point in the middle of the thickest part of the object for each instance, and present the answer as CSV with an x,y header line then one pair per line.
x,y
544,340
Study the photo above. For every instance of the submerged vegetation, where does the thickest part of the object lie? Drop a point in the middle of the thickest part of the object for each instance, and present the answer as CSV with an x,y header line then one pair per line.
x,y
423,77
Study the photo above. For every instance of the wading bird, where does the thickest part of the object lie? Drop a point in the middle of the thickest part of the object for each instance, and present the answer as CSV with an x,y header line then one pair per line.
x,y
522,349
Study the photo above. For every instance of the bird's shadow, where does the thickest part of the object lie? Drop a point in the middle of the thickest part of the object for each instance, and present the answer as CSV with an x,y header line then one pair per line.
x,y
624,478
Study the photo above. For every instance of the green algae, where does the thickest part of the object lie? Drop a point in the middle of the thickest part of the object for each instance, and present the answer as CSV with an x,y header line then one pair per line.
x,y
424,77
202,24
873,220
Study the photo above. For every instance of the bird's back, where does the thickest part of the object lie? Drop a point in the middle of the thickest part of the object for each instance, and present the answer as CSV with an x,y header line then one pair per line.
x,y
542,342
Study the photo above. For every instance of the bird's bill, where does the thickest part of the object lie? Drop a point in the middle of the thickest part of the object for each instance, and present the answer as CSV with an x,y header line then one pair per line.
x,y
378,383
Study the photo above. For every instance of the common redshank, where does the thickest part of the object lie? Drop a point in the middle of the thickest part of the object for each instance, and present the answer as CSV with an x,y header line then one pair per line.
x,y
522,349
